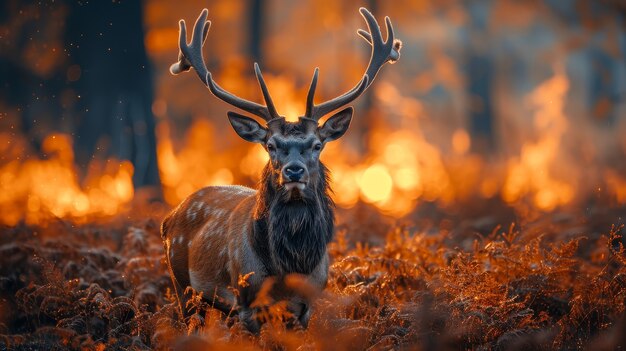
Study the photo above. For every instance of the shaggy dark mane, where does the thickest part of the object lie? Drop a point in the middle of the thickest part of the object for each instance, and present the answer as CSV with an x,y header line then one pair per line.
x,y
291,235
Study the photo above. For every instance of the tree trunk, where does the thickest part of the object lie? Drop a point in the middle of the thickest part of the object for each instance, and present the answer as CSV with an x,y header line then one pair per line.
x,y
114,112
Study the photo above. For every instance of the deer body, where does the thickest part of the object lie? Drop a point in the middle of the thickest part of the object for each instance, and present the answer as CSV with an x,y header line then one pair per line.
x,y
197,237
223,233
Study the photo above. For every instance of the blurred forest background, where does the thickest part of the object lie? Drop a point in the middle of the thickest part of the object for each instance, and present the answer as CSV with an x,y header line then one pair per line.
x,y
518,101
481,188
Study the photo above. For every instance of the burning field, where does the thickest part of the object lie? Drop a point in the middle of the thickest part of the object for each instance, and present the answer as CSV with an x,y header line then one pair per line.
x,y
480,191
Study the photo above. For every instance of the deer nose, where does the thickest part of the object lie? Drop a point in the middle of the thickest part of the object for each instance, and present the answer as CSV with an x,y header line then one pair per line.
x,y
293,173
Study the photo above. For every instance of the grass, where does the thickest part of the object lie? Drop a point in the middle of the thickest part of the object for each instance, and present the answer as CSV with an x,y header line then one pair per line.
x,y
557,282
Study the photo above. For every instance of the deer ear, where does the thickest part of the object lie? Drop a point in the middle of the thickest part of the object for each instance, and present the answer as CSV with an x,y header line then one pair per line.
x,y
247,128
336,126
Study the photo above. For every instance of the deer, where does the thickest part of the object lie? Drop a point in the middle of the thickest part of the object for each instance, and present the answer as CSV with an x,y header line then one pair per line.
x,y
220,234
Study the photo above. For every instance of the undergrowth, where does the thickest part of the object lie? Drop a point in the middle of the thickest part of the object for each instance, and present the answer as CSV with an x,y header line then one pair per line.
x,y
90,288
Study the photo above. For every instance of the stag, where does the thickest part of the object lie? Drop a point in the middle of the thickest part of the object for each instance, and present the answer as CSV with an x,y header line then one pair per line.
x,y
220,234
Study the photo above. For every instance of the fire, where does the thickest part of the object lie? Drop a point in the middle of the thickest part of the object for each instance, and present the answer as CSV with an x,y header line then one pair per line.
x,y
34,190
531,173
376,183
398,170
197,164
616,185
461,141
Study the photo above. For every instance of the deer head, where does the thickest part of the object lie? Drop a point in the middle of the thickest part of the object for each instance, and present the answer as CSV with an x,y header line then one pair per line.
x,y
294,147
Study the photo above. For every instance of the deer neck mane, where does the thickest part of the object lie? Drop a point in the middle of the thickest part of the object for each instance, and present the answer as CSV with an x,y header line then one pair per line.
x,y
290,236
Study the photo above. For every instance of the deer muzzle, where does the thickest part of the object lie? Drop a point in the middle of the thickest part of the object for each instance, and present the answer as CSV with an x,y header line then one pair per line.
x,y
294,175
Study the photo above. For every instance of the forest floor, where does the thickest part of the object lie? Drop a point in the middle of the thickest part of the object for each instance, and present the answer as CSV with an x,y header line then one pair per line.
x,y
433,281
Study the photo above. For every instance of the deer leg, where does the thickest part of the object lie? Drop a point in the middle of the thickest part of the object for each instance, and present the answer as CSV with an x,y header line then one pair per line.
x,y
247,316
305,315
317,279
178,287
180,295
301,312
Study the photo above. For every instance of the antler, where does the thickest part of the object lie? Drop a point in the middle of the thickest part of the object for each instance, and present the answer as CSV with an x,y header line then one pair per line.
x,y
382,52
190,55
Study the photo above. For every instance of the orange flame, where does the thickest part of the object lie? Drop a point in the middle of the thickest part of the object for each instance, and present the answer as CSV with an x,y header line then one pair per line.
x,y
400,168
35,190
531,173
197,164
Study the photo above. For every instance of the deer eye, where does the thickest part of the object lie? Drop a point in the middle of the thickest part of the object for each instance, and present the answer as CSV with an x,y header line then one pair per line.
x,y
317,147
271,147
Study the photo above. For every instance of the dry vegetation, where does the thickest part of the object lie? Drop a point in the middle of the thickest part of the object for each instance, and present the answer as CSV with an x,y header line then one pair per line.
x,y
558,282
489,253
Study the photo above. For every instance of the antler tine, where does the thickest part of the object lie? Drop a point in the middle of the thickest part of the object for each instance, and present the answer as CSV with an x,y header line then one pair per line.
x,y
190,56
249,106
319,111
266,94
382,52
311,94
